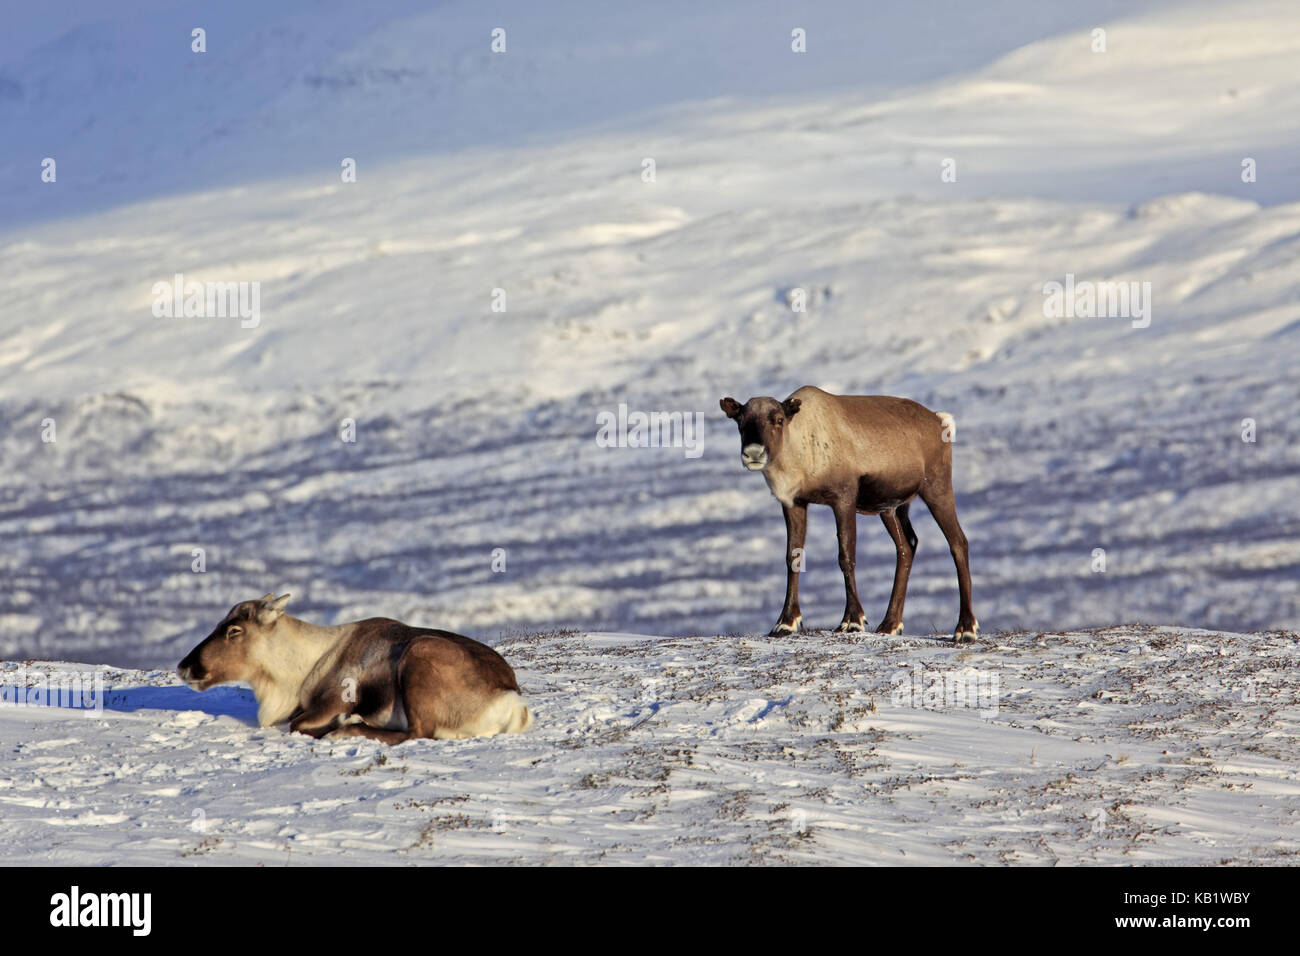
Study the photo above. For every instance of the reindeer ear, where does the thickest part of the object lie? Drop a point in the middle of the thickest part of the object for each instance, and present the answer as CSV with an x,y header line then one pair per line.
x,y
271,611
790,406
730,407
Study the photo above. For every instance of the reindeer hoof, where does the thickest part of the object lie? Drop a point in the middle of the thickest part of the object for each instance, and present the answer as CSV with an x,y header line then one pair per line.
x,y
851,627
896,629
783,628
966,633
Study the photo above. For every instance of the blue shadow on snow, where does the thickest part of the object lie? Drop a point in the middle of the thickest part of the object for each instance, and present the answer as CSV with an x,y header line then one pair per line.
x,y
235,702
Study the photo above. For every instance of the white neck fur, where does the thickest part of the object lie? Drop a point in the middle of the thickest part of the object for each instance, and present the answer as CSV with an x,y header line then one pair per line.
x,y
283,662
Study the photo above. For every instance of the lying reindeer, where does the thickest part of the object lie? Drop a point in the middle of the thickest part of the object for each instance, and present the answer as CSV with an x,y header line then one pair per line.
x,y
859,454
374,678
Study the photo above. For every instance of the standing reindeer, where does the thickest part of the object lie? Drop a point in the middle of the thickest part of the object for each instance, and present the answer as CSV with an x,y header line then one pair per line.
x,y
375,678
859,454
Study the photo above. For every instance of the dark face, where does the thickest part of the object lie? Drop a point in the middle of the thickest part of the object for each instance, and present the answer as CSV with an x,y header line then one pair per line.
x,y
762,422
222,656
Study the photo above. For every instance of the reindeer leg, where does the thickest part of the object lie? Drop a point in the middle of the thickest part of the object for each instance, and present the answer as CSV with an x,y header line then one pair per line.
x,y
846,529
321,714
944,508
316,721
796,526
900,529
374,733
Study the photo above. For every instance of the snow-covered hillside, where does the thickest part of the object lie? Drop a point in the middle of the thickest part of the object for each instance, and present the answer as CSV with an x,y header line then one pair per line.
x,y
476,429
286,89
1122,746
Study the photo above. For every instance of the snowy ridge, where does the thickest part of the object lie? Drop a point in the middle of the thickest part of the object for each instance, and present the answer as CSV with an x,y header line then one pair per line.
x,y
1123,746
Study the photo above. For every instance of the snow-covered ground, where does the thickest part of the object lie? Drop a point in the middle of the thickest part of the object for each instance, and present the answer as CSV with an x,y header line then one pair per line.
x,y
517,178
1119,746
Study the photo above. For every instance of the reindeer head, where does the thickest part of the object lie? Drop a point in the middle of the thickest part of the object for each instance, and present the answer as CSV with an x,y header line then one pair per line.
x,y
231,651
762,422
